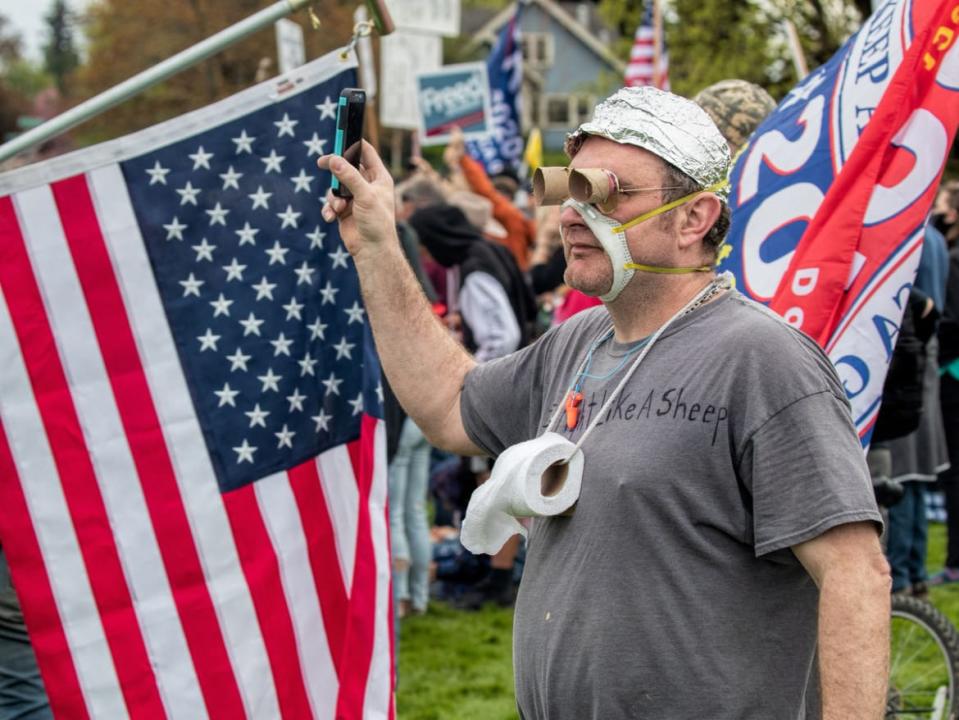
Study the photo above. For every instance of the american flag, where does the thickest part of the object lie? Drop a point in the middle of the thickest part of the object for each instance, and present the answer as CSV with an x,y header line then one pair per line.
x,y
191,466
642,68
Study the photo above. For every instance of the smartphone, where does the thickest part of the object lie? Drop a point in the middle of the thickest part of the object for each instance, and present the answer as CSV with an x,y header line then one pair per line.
x,y
349,133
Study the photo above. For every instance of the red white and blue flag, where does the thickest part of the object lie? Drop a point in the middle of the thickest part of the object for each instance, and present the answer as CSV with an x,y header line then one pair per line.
x,y
648,58
830,197
192,471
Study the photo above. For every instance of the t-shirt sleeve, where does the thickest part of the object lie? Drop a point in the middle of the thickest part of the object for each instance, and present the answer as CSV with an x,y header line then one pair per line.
x,y
806,473
501,399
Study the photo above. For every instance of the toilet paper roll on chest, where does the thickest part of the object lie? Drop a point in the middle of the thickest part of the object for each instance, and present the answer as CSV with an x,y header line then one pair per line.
x,y
537,478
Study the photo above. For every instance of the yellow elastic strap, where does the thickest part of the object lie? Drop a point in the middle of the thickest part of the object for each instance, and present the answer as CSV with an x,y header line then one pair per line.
x,y
669,206
667,270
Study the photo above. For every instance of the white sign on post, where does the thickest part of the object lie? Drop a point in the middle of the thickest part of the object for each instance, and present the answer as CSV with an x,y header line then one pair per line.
x,y
431,17
289,45
403,56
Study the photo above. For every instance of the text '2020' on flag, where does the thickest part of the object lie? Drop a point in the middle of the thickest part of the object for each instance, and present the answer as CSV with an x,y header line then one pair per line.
x,y
830,198
191,466
502,150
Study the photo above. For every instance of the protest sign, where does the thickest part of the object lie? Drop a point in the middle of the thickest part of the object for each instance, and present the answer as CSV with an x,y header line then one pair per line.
x,y
456,95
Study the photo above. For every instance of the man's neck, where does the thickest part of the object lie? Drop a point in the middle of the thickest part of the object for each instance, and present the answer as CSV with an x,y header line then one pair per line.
x,y
648,302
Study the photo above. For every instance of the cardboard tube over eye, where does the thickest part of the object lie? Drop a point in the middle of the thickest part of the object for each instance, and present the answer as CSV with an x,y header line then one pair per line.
x,y
551,185
593,186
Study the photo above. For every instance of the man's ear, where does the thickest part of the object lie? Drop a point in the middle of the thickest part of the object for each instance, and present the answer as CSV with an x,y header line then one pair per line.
x,y
698,217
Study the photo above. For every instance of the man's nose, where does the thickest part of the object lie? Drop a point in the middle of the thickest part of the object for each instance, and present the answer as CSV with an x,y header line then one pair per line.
x,y
568,217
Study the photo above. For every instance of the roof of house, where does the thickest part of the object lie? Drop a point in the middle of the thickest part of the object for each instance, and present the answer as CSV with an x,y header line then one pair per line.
x,y
474,17
485,32
595,25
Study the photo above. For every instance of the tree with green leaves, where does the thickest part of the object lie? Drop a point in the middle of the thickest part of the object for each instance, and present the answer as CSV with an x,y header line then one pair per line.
x,y
13,102
711,40
60,51
823,26
125,37
10,43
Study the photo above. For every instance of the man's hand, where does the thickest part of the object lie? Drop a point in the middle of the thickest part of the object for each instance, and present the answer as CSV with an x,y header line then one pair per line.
x,y
368,219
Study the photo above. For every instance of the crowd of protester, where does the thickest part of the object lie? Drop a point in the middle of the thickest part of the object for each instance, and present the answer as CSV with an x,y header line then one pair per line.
x,y
492,266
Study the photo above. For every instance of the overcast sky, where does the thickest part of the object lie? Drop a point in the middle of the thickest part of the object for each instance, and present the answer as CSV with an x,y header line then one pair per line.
x,y
26,17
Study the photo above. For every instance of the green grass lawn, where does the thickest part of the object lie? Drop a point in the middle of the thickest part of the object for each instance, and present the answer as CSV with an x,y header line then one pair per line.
x,y
456,665
945,598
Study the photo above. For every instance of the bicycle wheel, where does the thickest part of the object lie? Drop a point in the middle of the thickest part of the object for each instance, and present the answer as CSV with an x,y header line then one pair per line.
x,y
924,662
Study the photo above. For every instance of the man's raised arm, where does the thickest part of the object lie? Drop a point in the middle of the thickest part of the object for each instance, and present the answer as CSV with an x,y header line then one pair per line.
x,y
426,367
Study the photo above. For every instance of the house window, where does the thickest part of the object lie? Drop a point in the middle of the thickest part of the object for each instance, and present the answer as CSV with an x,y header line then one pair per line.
x,y
584,108
557,111
560,111
537,49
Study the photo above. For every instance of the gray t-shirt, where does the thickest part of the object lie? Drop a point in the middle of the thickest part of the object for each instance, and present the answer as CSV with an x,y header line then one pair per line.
x,y
671,592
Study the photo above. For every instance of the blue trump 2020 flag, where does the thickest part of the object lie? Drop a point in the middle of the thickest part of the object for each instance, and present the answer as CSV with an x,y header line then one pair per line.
x,y
501,151
830,198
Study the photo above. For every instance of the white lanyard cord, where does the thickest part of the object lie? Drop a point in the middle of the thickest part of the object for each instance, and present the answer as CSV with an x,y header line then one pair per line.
x,y
723,281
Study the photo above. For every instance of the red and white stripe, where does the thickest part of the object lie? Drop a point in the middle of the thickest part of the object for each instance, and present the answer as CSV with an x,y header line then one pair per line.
x,y
641,69
146,592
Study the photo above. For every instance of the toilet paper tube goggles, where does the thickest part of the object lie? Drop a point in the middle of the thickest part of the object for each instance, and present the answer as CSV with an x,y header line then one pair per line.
x,y
592,186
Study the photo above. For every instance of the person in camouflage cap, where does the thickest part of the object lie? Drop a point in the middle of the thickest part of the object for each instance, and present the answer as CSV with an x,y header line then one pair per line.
x,y
737,107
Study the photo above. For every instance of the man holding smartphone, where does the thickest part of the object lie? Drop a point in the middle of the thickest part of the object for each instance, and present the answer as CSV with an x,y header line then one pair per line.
x,y
726,534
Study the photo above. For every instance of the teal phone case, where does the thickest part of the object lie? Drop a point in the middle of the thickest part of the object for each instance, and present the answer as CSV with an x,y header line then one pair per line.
x,y
338,140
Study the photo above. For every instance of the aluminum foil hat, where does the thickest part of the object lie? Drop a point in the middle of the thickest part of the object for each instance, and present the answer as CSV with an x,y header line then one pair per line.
x,y
667,125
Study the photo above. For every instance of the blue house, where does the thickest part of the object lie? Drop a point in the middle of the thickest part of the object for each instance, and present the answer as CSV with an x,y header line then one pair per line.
x,y
567,64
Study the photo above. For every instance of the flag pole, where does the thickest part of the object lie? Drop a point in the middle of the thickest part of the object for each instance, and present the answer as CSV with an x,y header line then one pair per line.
x,y
795,50
140,82
657,45
367,74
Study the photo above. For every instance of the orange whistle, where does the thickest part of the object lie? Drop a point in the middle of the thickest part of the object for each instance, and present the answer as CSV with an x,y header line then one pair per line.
x,y
573,400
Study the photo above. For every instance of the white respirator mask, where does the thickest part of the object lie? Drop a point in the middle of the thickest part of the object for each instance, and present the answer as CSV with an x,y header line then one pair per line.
x,y
611,235
614,245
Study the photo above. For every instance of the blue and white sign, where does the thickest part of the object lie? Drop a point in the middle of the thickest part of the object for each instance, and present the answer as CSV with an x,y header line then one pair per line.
x,y
454,96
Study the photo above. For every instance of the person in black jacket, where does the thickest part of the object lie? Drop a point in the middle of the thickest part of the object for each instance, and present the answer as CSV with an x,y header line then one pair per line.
x,y
949,399
493,298
910,428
